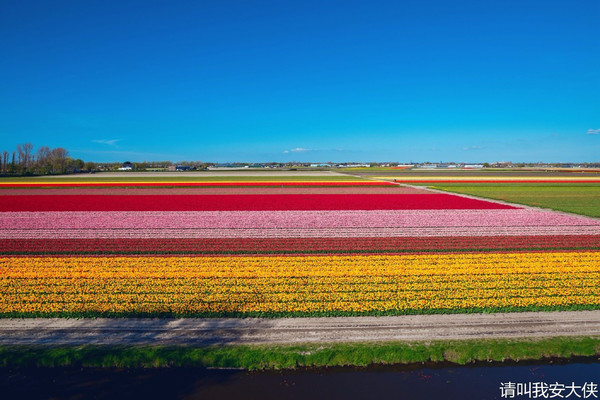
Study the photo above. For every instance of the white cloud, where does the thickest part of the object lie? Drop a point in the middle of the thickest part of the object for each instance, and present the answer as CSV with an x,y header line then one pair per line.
x,y
111,142
593,132
473,148
296,150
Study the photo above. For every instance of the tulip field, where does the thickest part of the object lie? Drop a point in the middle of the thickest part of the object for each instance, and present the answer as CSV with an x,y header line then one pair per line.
x,y
284,248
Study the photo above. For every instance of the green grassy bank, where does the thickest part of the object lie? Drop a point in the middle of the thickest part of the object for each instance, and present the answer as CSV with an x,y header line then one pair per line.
x,y
583,199
313,355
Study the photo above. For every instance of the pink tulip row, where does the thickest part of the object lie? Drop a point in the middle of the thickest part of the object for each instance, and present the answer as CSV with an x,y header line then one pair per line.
x,y
86,233
290,219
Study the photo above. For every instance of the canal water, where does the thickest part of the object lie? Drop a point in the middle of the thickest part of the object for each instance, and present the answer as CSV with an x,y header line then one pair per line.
x,y
415,382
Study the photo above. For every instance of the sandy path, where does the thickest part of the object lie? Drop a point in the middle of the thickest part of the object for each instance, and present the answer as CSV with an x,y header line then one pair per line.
x,y
129,331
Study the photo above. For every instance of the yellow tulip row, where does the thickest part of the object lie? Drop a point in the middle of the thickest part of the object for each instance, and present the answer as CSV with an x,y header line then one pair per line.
x,y
302,306
297,266
296,285
318,284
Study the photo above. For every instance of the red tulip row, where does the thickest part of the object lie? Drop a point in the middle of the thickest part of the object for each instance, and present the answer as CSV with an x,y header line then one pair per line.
x,y
231,190
196,184
297,245
253,202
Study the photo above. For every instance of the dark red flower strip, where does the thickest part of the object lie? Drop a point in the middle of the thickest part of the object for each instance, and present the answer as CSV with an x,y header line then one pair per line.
x,y
296,245
245,202
194,184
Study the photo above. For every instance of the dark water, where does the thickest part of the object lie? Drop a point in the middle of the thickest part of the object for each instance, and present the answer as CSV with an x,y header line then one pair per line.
x,y
448,382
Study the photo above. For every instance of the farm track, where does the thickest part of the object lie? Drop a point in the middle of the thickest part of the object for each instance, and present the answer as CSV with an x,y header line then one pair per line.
x,y
145,331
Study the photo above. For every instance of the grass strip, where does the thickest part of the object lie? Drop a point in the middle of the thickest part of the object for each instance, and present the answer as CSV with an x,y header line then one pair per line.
x,y
549,184
299,356
577,199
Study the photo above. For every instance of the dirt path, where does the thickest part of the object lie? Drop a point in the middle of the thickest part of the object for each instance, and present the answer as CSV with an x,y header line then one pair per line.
x,y
129,331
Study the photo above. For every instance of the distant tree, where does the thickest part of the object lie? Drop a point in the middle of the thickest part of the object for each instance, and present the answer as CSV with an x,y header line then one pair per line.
x,y
140,166
25,152
486,165
73,165
5,155
58,159
79,164
43,165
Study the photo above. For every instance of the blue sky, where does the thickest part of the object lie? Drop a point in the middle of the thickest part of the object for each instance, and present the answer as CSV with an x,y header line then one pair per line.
x,y
303,80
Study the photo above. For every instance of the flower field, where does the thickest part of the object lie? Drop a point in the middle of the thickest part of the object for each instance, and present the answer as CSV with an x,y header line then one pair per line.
x,y
297,251
215,202
192,184
295,245
327,285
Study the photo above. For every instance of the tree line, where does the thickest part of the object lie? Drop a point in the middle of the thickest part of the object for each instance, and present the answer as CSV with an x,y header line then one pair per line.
x,y
25,160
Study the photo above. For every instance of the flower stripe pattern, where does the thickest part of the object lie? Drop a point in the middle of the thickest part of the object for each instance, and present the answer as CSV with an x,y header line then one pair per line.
x,y
247,202
299,245
298,285
237,251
